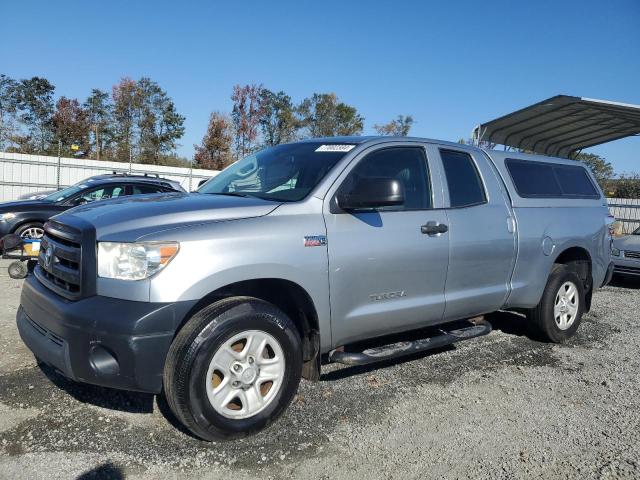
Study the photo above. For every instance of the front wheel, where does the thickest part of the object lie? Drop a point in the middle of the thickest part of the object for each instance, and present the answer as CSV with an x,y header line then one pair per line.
x,y
558,315
233,368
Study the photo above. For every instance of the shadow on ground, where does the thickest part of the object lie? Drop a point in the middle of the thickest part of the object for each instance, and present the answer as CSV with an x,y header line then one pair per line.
x,y
625,282
113,399
507,322
106,471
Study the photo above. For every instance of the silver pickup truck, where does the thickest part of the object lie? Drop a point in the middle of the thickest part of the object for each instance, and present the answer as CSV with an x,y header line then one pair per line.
x,y
311,252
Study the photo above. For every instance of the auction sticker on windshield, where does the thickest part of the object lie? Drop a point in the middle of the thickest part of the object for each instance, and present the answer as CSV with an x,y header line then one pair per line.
x,y
335,148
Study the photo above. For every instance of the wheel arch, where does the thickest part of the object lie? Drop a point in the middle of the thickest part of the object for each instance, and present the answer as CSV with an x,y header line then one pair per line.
x,y
289,297
579,259
27,221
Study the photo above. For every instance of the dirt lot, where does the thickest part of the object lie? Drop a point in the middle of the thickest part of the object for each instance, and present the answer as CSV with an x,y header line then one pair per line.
x,y
502,406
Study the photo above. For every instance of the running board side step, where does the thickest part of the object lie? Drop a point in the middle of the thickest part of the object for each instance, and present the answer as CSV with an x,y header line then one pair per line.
x,y
475,328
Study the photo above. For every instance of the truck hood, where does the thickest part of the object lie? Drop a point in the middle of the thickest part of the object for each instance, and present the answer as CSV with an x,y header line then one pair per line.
x,y
129,218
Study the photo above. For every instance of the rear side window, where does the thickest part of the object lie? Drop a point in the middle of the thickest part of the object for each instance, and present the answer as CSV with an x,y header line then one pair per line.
x,y
463,179
550,180
145,189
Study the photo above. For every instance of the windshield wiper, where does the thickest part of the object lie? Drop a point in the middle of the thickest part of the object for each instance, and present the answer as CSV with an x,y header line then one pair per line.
x,y
232,194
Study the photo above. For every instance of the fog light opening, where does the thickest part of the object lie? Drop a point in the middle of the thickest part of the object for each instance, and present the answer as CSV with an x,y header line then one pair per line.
x,y
103,361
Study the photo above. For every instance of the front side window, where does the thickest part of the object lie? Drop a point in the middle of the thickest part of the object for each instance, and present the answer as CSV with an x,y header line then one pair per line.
x,y
464,182
285,173
406,164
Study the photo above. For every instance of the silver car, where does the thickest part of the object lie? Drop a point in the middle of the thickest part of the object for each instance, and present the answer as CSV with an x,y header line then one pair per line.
x,y
626,254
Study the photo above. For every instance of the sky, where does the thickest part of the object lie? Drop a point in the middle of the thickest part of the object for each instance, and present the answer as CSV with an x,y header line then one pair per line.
x,y
449,64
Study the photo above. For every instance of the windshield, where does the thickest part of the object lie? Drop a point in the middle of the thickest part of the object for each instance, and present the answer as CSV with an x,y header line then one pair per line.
x,y
285,173
65,193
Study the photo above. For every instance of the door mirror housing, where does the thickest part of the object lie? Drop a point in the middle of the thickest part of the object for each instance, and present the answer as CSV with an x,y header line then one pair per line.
x,y
372,193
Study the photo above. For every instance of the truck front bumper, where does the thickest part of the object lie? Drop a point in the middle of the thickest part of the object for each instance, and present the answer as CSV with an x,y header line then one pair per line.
x,y
100,340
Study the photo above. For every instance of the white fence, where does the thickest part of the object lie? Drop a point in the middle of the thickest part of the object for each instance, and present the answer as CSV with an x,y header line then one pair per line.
x,y
21,173
627,212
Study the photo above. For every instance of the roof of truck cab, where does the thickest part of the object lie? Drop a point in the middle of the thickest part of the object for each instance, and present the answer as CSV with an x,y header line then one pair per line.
x,y
562,125
374,139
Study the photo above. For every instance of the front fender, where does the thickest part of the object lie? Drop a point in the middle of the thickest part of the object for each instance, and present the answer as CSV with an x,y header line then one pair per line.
x,y
270,247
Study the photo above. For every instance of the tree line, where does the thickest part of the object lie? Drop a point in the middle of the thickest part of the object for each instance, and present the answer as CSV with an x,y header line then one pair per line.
x,y
262,118
136,118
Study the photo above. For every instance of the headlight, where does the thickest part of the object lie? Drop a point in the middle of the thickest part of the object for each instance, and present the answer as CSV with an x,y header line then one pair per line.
x,y
134,261
615,252
4,217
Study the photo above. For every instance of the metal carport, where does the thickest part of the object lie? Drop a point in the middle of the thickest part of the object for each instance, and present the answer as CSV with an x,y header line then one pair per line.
x,y
562,125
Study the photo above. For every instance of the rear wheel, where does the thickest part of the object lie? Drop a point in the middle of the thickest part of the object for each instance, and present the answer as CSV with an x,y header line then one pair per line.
x,y
558,315
30,231
233,368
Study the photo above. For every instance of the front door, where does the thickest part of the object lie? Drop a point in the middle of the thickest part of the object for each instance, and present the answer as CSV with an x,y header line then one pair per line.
x,y
385,274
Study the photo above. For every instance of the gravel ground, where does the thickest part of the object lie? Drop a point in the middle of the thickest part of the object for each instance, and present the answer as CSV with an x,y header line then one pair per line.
x,y
500,406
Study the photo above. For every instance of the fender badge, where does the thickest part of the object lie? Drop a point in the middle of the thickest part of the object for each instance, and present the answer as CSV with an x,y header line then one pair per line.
x,y
315,240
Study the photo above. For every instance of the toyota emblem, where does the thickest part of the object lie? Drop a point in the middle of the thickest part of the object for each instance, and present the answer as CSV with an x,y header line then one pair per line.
x,y
48,256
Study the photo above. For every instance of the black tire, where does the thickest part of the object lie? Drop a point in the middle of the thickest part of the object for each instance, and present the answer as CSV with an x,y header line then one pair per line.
x,y
542,318
17,270
22,229
192,350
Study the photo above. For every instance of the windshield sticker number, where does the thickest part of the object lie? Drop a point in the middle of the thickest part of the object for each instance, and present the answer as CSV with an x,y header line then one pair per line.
x,y
335,148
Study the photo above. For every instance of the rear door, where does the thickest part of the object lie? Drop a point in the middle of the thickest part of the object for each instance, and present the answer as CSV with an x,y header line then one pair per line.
x,y
482,241
385,274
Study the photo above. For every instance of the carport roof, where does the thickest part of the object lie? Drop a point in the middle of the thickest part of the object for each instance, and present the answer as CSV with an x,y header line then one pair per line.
x,y
562,125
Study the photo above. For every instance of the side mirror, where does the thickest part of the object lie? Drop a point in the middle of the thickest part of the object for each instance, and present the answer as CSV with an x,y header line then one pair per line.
x,y
372,193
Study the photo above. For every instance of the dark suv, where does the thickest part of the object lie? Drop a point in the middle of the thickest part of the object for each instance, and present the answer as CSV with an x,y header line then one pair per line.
x,y
27,217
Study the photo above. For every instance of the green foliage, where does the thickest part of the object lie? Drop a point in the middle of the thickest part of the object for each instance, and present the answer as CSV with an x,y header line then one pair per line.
x,y
35,110
278,120
627,186
125,114
138,118
100,115
159,125
601,169
8,109
323,115
399,127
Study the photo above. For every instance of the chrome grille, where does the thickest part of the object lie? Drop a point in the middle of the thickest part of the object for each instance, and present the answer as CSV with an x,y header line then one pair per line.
x,y
60,260
632,254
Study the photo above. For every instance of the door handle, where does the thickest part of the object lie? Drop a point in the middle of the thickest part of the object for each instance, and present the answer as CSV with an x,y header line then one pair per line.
x,y
434,228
